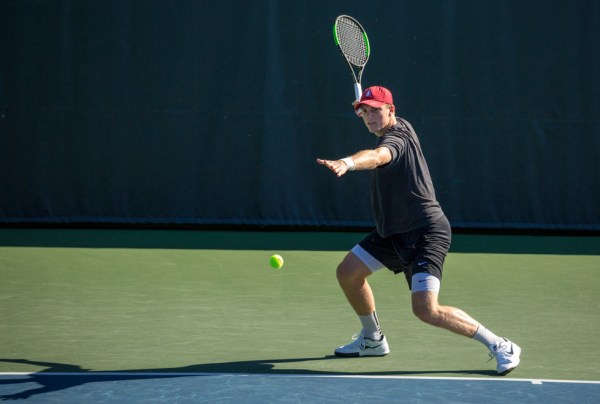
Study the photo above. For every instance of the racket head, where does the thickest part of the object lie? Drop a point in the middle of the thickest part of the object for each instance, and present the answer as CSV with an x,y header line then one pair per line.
x,y
352,40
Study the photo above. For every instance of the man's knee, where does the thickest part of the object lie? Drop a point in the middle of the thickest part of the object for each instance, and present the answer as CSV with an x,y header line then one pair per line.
x,y
426,315
425,307
351,269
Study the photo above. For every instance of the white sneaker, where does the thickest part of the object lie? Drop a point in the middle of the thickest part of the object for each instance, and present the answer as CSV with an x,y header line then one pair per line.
x,y
507,356
362,346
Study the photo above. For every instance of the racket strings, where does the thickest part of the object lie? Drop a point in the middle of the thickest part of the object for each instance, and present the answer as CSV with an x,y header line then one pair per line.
x,y
352,42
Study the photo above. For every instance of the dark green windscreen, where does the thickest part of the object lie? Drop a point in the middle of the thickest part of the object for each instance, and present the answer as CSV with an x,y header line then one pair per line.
x,y
213,113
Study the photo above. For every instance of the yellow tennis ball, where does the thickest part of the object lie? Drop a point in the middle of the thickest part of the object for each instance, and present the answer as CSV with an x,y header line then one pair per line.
x,y
276,261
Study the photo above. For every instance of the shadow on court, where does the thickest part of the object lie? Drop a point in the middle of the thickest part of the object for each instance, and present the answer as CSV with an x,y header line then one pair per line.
x,y
56,375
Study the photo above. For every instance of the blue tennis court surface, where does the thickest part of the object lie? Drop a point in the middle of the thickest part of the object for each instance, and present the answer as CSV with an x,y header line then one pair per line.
x,y
107,387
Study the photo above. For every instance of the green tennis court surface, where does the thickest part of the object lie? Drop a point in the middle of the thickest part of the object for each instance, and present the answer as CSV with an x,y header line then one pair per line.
x,y
208,302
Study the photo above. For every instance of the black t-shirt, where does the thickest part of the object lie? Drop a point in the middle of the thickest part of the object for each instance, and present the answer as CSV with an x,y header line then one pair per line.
x,y
402,194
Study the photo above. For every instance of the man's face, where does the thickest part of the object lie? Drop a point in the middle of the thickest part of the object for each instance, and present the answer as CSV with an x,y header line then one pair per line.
x,y
377,120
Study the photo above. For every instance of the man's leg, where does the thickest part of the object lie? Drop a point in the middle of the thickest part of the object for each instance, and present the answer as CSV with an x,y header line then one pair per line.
x,y
352,276
426,307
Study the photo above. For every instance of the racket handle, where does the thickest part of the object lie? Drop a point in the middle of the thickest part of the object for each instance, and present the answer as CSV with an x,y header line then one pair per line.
x,y
357,91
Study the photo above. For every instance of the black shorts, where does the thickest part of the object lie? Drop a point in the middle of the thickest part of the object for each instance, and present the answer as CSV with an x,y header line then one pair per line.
x,y
420,250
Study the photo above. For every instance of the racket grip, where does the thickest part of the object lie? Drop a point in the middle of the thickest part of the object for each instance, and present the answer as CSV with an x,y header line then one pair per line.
x,y
357,91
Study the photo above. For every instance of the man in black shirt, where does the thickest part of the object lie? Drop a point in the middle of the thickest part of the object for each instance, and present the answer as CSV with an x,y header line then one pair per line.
x,y
412,235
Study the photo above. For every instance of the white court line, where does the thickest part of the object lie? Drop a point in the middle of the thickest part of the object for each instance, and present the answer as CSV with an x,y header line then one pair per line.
x,y
188,374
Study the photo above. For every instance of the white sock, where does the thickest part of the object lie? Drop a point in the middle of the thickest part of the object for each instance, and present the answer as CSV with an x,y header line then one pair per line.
x,y
485,336
371,328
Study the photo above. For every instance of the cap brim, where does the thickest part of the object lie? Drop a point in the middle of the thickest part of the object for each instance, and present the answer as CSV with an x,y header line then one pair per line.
x,y
371,103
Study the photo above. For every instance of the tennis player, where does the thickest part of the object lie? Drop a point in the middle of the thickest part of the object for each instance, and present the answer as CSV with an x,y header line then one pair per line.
x,y
412,235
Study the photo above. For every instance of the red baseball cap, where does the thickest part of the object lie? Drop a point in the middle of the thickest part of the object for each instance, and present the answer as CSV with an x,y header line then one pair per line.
x,y
375,96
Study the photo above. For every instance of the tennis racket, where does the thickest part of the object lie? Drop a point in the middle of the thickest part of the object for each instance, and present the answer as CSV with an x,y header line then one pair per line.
x,y
351,38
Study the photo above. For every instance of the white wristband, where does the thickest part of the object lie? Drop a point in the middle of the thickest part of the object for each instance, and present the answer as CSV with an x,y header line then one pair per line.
x,y
349,163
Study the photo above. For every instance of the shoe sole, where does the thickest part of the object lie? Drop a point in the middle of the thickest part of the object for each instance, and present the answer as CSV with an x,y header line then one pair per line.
x,y
507,371
380,350
357,355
